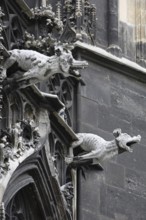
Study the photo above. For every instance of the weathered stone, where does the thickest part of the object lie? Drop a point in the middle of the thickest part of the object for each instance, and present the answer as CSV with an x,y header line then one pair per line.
x,y
135,182
115,175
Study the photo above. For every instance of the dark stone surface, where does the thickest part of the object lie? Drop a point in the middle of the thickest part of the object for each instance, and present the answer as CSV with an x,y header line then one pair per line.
x,y
86,111
113,100
135,182
114,175
102,18
97,84
126,40
92,192
115,200
108,121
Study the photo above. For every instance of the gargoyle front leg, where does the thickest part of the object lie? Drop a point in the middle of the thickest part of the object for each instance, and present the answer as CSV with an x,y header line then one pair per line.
x,y
91,155
8,63
30,77
74,144
77,143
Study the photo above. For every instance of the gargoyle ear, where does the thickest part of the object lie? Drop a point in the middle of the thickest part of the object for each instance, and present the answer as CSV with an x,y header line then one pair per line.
x,y
117,132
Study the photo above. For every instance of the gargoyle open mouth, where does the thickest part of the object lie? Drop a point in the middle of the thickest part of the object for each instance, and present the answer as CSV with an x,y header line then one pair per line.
x,y
130,143
128,146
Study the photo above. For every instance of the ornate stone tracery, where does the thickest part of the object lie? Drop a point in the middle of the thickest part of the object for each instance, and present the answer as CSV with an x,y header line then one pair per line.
x,y
27,121
40,77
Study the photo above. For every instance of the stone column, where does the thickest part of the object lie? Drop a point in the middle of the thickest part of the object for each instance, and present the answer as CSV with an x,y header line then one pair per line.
x,y
113,20
140,33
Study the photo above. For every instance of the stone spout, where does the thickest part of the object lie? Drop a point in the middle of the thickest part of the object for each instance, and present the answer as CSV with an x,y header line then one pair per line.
x,y
98,149
77,64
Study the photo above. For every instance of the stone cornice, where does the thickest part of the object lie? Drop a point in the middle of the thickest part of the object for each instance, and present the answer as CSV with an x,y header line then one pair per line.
x,y
120,65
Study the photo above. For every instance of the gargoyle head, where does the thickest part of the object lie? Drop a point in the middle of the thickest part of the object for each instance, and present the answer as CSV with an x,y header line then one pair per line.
x,y
68,65
124,141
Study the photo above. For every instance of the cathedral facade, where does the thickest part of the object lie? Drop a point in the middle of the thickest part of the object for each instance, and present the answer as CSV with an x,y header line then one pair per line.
x,y
72,110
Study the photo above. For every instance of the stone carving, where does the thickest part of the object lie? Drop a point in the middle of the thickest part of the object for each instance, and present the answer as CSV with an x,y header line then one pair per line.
x,y
43,11
39,67
53,22
5,151
2,211
99,149
67,190
15,142
79,18
17,138
1,62
76,20
40,44
63,115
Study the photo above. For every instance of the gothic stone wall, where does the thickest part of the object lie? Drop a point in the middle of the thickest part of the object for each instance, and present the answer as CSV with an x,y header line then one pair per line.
x,y
112,100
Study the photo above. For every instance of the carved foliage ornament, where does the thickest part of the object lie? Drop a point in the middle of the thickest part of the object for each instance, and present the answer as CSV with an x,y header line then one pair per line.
x,y
76,20
15,142
52,20
80,17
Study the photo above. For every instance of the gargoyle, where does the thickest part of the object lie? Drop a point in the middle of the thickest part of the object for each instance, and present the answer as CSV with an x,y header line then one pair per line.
x,y
98,149
37,67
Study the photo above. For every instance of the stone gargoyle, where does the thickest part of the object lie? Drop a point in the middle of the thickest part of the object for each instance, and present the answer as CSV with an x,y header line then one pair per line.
x,y
98,149
36,67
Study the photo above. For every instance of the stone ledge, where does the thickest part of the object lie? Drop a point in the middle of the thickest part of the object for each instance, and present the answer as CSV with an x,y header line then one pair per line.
x,y
120,65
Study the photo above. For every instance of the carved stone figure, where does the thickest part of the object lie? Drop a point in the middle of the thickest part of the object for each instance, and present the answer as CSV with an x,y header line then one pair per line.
x,y
67,190
2,145
18,142
5,151
36,137
40,44
38,67
98,149
15,142
62,114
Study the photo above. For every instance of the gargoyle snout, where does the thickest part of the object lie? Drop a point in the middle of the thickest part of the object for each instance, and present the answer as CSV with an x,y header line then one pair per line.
x,y
136,139
125,141
139,138
78,64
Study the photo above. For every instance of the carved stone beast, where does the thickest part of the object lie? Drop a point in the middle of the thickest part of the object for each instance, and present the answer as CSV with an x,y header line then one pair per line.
x,y
38,67
98,149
